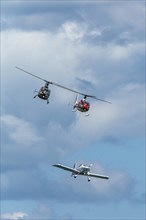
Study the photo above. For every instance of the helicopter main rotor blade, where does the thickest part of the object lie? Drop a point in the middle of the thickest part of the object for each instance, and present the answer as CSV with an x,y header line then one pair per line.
x,y
31,74
55,84
102,100
63,87
72,90
80,93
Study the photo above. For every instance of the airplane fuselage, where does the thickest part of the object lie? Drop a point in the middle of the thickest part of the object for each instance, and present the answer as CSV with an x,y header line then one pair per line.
x,y
84,170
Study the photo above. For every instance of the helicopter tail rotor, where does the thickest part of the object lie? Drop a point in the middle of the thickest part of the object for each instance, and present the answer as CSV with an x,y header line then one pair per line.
x,y
75,103
76,99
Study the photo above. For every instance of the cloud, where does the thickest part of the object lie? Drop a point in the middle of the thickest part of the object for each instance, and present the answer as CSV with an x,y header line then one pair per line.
x,y
20,131
14,216
109,120
28,16
78,61
77,65
44,210
44,144
102,19
88,48
42,184
74,31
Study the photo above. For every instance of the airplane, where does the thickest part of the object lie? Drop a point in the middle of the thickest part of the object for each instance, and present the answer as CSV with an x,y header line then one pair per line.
x,y
81,170
44,93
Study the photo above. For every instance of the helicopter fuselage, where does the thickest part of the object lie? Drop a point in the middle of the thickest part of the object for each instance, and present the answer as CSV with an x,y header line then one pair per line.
x,y
82,106
44,93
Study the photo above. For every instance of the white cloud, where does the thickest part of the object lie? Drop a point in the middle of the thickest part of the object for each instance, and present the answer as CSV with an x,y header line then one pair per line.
x,y
43,184
61,60
14,216
19,130
74,31
55,58
118,187
124,118
120,14
121,52
88,50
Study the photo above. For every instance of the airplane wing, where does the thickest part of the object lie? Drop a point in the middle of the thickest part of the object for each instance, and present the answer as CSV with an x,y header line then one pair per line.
x,y
67,168
98,176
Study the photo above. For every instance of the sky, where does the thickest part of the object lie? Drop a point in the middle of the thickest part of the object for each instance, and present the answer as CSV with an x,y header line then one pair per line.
x,y
98,48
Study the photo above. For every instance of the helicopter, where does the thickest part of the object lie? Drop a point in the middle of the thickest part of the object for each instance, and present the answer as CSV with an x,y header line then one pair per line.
x,y
44,93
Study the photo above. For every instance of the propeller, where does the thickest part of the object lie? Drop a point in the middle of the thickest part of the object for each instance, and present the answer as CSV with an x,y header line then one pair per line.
x,y
63,87
74,166
91,164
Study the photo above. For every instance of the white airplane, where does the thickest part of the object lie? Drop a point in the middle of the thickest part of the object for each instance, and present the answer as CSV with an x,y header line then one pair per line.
x,y
81,170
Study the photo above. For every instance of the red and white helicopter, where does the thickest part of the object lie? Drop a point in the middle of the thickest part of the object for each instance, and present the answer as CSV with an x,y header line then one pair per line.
x,y
81,170
44,93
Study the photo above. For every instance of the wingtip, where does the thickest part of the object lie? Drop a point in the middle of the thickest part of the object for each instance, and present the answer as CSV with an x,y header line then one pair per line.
x,y
56,165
